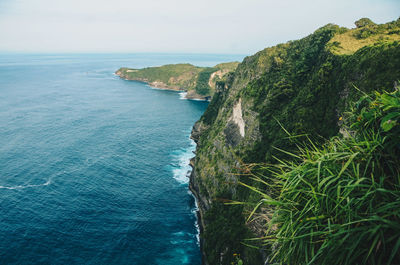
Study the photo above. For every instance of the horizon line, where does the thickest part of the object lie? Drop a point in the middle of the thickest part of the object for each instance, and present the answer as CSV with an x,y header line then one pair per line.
x,y
111,52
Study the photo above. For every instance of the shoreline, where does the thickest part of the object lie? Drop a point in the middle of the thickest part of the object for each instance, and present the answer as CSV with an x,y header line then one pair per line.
x,y
163,86
199,213
195,192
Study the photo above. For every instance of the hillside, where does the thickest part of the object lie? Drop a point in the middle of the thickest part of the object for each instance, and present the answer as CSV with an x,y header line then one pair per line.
x,y
337,202
198,82
303,86
366,33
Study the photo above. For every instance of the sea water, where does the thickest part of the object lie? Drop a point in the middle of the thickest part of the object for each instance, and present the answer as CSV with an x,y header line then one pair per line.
x,y
93,168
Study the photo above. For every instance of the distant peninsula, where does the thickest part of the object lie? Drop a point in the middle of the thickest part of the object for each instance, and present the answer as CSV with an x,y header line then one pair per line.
x,y
198,82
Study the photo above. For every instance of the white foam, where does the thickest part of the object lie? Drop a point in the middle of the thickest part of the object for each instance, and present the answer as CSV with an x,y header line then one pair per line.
x,y
182,95
194,211
181,172
19,187
197,99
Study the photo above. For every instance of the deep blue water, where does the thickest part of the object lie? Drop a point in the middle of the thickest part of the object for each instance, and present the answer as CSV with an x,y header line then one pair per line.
x,y
92,167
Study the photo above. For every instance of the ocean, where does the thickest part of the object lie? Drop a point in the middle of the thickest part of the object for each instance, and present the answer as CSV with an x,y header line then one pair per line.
x,y
93,168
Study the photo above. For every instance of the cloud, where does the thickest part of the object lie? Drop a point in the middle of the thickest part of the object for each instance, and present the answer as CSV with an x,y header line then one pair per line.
x,y
239,26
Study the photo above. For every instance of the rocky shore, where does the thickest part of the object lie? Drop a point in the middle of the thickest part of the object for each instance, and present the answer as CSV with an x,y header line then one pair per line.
x,y
194,188
191,94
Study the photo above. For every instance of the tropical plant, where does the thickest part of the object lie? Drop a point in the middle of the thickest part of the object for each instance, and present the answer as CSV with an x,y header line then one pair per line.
x,y
339,203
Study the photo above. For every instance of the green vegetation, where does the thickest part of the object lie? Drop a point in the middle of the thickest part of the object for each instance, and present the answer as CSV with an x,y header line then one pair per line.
x,y
366,33
306,85
340,203
181,76
231,226
176,76
165,72
231,66
202,86
306,91
363,22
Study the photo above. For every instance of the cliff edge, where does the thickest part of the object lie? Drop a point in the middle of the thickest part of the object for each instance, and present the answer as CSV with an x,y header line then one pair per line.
x,y
303,86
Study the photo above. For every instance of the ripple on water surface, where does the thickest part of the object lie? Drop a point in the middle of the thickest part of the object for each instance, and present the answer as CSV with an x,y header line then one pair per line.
x,y
94,168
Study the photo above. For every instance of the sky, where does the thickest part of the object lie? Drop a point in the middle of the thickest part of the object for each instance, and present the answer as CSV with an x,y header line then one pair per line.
x,y
170,26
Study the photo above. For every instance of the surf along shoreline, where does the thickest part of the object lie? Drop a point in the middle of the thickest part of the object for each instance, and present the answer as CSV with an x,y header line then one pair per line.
x,y
190,95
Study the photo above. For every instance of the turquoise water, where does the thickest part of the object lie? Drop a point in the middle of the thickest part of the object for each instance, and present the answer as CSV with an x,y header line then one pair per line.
x,y
93,168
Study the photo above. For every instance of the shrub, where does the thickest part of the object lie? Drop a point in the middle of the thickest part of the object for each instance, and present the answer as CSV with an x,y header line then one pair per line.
x,y
340,203
202,87
364,22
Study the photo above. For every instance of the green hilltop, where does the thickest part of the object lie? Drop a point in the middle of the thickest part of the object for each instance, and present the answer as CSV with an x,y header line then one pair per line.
x,y
367,33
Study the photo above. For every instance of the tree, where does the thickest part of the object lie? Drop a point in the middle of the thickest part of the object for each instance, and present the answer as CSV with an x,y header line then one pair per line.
x,y
364,22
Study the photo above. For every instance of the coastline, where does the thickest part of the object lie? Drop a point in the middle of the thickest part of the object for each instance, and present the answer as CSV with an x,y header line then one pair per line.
x,y
194,189
190,95
199,212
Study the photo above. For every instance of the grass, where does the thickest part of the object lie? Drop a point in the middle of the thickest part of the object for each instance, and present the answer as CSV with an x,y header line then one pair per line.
x,y
174,75
352,40
339,203
231,66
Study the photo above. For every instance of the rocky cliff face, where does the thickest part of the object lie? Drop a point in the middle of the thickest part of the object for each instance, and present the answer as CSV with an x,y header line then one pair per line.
x,y
302,86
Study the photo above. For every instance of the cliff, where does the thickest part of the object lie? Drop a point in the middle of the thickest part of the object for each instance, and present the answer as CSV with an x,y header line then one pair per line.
x,y
303,86
198,82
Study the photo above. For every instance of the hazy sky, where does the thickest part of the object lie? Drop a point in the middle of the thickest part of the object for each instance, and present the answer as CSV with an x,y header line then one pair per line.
x,y
201,26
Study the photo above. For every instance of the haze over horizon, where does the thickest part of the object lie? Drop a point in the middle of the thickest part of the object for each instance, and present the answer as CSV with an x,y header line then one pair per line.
x,y
241,27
